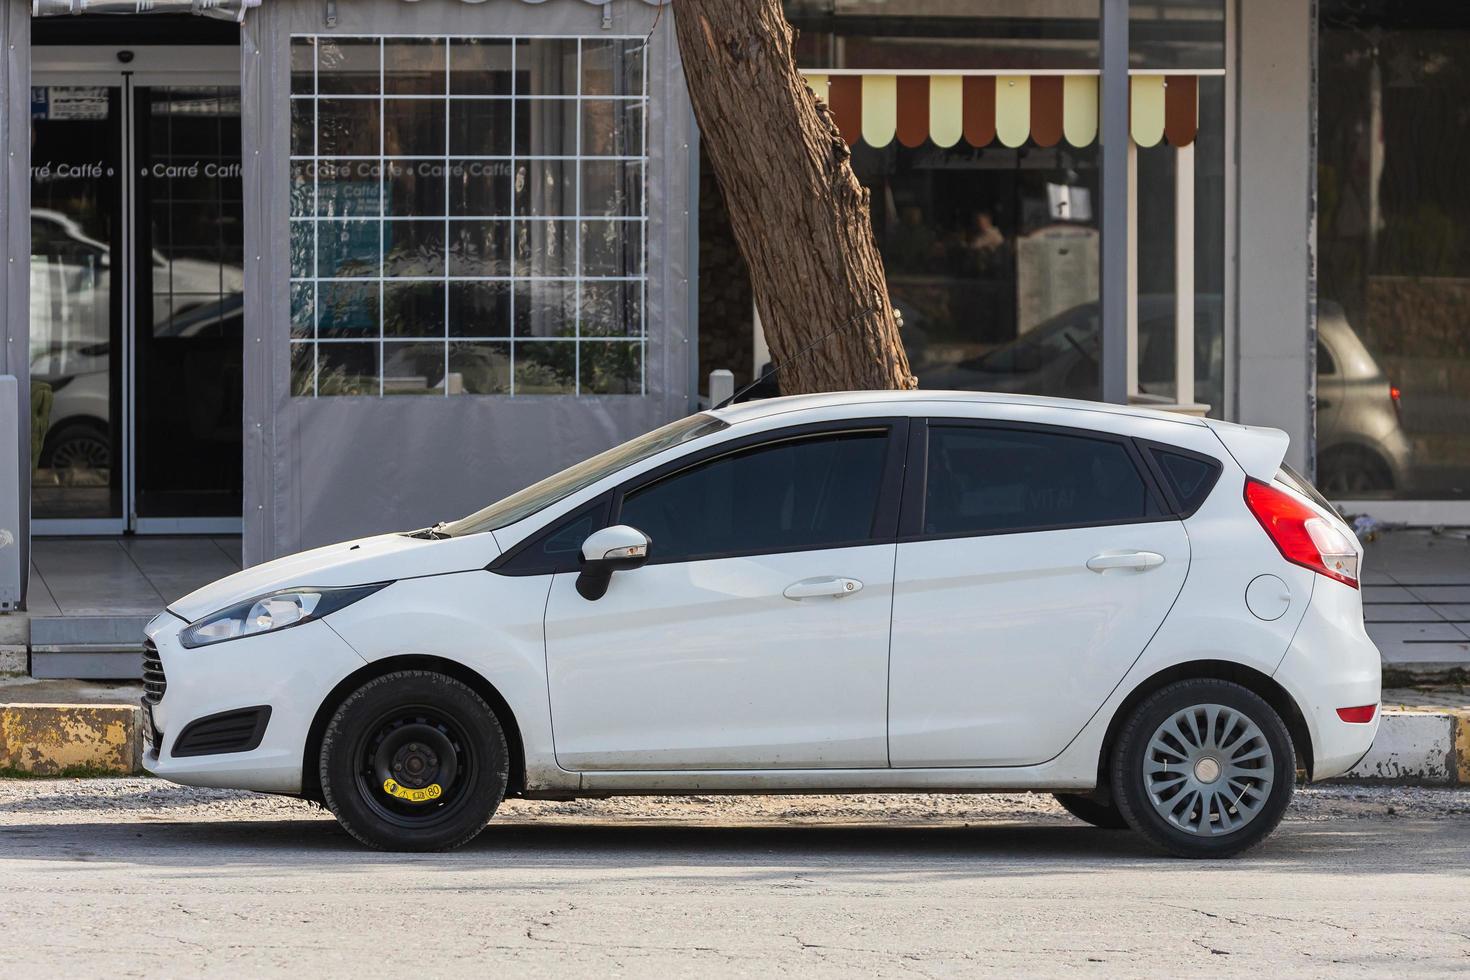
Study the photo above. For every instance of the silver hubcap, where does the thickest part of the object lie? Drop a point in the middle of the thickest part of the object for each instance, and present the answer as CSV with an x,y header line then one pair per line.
x,y
1208,770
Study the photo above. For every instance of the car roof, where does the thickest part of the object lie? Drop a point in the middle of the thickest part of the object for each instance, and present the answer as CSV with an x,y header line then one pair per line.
x,y
922,402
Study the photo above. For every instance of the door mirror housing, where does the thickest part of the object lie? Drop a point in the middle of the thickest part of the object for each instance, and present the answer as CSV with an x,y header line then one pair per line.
x,y
613,549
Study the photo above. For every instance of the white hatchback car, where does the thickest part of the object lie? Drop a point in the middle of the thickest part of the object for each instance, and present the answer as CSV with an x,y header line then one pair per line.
x,y
1142,613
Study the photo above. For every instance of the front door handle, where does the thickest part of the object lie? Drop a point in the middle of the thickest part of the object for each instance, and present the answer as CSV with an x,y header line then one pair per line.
x,y
830,586
1140,561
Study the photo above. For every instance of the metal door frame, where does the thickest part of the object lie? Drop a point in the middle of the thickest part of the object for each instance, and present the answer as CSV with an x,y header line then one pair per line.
x,y
100,65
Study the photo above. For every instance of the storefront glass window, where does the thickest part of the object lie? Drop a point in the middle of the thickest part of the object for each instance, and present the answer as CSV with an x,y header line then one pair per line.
x,y
1167,34
467,216
987,226
974,127
1393,232
1159,249
955,34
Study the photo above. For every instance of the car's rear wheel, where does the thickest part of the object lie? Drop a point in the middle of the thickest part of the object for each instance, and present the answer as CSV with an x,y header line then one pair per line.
x,y
414,761
1090,809
1352,469
1204,768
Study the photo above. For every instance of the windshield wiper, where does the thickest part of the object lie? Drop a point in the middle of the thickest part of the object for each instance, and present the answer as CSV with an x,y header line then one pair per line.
x,y
435,533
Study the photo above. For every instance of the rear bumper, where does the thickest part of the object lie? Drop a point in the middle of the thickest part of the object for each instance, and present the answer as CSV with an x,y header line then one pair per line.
x,y
1332,664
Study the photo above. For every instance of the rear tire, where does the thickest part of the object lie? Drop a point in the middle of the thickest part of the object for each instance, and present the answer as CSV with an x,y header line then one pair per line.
x,y
1105,816
1204,769
414,761
1350,470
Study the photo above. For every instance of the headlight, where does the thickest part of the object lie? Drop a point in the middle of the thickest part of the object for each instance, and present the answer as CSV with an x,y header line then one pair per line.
x,y
268,613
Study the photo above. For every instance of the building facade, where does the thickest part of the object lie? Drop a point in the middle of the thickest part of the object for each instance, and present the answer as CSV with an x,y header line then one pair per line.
x,y
305,270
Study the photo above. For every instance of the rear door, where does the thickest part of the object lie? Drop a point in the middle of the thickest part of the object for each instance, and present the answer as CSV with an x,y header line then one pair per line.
x,y
1034,565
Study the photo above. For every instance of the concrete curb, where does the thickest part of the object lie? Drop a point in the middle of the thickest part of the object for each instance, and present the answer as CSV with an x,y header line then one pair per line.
x,y
71,739
1418,747
1415,747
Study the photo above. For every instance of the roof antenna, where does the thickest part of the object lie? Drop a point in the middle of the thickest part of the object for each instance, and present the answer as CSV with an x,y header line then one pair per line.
x,y
776,368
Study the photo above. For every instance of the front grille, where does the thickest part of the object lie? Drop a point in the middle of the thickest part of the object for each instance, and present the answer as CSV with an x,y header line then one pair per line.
x,y
230,731
154,682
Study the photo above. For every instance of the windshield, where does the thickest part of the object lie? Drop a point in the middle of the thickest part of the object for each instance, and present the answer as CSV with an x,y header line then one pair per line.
x,y
524,503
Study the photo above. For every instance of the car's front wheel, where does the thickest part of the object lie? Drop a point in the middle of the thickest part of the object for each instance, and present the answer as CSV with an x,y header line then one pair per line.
x,y
414,761
1204,768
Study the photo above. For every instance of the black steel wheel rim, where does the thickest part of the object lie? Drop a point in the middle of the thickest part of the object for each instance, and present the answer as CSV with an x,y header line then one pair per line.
x,y
417,746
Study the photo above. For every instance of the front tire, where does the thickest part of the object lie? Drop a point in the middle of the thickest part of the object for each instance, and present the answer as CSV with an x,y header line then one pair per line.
x,y
414,761
1204,769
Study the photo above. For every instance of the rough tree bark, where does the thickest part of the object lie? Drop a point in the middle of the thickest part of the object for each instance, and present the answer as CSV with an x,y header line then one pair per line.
x,y
799,215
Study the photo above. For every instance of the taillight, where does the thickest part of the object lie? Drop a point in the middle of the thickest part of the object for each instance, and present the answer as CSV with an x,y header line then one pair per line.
x,y
1303,536
1394,395
1360,715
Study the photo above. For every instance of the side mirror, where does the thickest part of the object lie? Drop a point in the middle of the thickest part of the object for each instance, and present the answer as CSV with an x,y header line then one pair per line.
x,y
613,549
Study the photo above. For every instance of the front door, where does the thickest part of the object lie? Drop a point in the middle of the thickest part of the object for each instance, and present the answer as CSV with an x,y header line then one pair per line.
x,y
1037,570
136,291
757,635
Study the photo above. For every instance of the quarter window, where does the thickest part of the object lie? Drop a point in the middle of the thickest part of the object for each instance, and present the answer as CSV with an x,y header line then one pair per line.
x,y
798,494
1190,477
989,480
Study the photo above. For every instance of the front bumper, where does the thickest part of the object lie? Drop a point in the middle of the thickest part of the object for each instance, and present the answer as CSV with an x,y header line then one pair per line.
x,y
291,671
1332,664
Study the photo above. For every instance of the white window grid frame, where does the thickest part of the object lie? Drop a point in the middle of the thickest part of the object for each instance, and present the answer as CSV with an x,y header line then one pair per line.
x,y
638,339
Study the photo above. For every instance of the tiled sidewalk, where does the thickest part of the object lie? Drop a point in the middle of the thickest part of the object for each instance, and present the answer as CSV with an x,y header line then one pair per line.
x,y
122,576
1416,598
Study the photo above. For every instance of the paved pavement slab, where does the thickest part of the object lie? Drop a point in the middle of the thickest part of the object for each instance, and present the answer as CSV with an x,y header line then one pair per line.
x,y
136,877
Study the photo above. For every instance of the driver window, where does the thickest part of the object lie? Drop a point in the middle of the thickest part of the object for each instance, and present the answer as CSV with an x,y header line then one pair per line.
x,y
803,493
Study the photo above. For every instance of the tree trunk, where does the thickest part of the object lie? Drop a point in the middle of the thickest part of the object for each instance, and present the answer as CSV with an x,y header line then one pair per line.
x,y
799,215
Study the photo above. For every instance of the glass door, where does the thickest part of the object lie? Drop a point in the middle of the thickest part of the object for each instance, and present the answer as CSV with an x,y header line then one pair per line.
x,y
136,293
77,292
187,331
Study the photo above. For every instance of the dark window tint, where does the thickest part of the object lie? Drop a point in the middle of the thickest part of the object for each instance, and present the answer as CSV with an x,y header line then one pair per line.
x,y
567,539
802,493
1190,477
557,548
985,480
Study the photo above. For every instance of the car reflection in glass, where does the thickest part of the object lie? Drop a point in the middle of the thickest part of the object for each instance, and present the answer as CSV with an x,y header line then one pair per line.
x,y
71,335
1362,450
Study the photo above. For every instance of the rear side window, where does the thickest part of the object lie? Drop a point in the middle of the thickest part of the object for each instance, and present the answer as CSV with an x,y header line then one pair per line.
x,y
1189,477
819,491
989,480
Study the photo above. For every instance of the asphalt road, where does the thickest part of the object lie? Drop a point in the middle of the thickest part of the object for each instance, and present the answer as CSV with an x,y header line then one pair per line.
x,y
108,878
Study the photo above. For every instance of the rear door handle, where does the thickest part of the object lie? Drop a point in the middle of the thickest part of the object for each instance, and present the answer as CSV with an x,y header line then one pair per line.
x,y
830,586
1140,561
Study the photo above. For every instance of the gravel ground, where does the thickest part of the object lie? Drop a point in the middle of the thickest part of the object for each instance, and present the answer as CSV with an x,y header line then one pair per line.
x,y
27,801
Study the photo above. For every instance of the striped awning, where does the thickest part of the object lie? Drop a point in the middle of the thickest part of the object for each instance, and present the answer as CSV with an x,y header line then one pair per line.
x,y
982,108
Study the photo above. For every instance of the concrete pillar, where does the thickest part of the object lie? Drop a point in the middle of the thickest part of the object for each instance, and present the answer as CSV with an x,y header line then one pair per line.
x,y
15,253
1275,219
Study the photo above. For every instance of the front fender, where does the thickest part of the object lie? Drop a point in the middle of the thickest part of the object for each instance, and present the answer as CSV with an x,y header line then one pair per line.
x,y
492,624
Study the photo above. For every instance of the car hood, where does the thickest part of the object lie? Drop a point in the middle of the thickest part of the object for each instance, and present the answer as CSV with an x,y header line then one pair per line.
x,y
381,558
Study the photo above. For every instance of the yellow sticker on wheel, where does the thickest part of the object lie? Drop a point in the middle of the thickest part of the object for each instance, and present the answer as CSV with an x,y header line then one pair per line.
x,y
430,792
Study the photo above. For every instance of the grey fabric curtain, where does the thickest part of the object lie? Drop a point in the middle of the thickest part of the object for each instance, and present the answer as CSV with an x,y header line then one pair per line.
x,y
326,469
